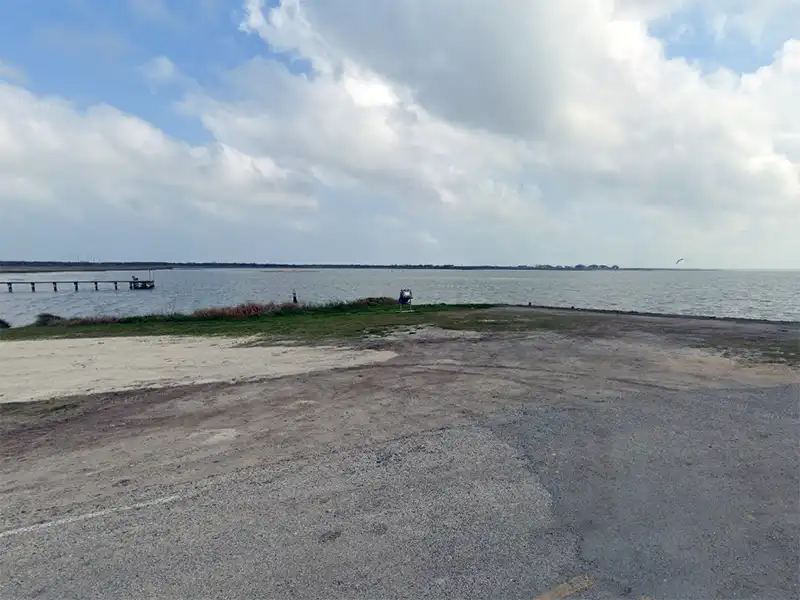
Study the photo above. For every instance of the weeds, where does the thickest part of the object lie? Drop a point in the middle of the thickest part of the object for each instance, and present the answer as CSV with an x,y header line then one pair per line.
x,y
249,310
242,311
48,320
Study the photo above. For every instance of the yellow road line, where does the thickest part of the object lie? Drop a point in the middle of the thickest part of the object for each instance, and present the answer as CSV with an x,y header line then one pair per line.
x,y
567,589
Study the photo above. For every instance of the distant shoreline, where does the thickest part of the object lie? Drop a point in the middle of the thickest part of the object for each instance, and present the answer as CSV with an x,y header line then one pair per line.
x,y
20,267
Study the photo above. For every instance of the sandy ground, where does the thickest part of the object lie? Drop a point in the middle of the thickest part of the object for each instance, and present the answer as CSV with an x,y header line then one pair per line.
x,y
526,465
94,366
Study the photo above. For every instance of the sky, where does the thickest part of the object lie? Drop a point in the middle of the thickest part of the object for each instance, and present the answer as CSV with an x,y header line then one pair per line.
x,y
630,132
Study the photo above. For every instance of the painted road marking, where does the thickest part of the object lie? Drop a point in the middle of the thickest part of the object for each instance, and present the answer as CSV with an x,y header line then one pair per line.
x,y
87,516
567,589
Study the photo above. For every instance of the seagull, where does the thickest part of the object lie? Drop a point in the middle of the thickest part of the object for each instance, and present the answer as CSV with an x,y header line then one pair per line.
x,y
680,260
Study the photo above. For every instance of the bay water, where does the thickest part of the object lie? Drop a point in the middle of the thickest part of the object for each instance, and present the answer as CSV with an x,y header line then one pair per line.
x,y
745,294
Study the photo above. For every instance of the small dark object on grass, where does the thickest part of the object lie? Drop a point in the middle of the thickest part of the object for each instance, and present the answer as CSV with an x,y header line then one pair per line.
x,y
4,324
46,320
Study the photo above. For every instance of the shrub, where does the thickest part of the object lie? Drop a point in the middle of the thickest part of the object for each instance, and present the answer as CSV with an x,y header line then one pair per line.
x,y
379,301
90,321
4,324
47,320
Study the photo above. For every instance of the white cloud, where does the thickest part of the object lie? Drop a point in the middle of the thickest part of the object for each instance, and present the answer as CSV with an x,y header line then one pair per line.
x,y
9,72
57,158
532,132
572,97
161,72
723,17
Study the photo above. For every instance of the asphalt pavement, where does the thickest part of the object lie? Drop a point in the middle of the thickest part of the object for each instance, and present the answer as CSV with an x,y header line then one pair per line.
x,y
413,481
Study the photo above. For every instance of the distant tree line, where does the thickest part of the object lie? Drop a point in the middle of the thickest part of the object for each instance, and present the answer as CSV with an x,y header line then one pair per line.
x,y
251,265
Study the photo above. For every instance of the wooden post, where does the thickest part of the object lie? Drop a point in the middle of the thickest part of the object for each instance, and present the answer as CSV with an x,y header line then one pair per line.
x,y
33,287
95,286
10,288
55,286
76,285
116,285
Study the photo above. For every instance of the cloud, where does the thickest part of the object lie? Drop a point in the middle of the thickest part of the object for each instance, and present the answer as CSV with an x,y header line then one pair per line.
x,y
531,132
721,17
11,73
55,158
161,72
529,113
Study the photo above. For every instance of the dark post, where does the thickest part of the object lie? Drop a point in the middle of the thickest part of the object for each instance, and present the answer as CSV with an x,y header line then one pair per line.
x,y
76,285
95,286
33,287
116,285
10,288
55,286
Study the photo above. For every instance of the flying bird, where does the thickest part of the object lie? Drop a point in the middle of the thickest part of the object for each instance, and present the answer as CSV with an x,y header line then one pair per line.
x,y
680,260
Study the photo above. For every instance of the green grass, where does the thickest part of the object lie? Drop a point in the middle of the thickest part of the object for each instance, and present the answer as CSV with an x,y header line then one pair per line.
x,y
328,321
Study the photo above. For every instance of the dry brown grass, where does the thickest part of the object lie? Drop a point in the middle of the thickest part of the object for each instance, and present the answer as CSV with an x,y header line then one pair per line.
x,y
241,311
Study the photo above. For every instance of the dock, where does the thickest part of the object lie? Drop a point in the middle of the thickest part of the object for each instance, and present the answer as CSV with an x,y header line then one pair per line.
x,y
95,284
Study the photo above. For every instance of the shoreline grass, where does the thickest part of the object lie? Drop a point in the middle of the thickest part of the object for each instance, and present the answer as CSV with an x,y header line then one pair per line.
x,y
246,310
331,320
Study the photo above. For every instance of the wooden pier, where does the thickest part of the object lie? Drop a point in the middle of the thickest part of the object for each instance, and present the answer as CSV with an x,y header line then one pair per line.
x,y
131,284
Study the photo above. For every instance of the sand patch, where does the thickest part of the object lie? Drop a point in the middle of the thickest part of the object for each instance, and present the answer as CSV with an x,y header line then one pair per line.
x,y
44,369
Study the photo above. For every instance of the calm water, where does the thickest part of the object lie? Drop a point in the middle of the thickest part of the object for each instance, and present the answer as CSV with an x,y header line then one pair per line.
x,y
754,294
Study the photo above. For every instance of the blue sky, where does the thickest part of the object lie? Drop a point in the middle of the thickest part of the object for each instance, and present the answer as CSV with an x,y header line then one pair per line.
x,y
352,131
90,51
